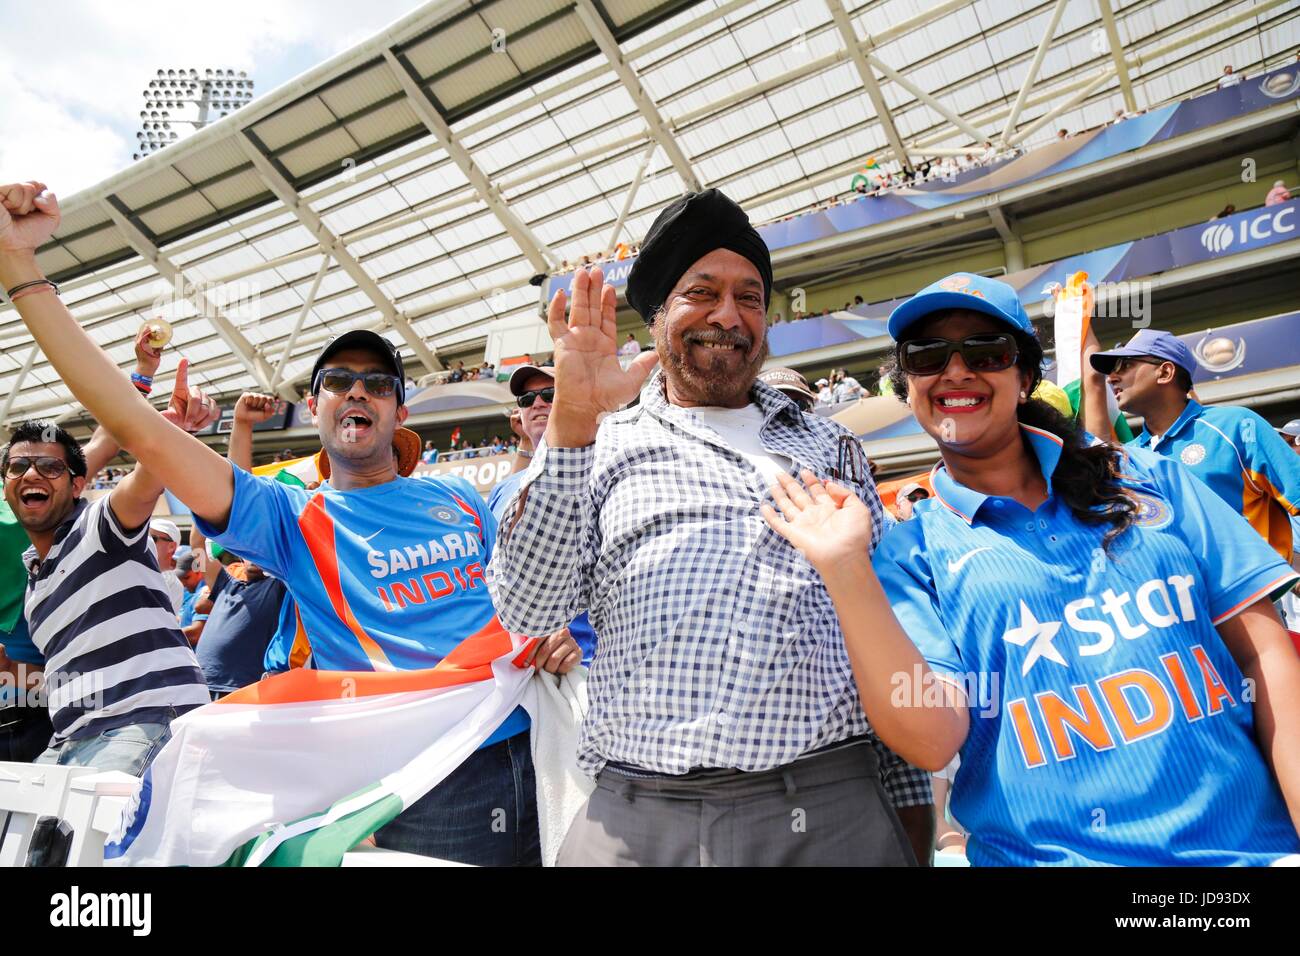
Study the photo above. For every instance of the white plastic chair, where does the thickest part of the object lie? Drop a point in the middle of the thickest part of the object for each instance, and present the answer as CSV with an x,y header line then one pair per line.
x,y
88,801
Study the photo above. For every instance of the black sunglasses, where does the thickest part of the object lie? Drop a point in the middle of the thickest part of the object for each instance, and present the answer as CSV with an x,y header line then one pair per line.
x,y
1125,362
990,352
339,380
46,466
527,398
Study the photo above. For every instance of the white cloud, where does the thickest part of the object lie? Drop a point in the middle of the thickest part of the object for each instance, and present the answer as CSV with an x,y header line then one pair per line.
x,y
73,72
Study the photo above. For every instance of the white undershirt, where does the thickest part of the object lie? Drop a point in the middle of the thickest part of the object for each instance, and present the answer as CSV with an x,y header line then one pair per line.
x,y
738,428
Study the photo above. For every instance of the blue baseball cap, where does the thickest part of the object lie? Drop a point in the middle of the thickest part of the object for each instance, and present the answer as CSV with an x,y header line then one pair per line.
x,y
1148,343
962,290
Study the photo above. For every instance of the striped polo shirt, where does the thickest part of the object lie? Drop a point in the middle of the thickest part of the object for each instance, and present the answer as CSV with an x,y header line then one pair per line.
x,y
99,612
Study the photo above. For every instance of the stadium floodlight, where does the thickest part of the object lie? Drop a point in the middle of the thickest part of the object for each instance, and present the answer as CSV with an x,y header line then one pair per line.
x,y
195,98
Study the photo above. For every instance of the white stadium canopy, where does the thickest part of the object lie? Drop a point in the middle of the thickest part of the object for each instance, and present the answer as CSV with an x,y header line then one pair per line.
x,y
416,183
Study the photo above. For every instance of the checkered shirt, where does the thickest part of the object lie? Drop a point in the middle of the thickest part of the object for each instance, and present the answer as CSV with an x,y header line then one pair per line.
x,y
718,643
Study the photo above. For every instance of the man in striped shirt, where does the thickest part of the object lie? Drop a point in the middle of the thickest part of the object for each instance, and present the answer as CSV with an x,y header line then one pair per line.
x,y
117,668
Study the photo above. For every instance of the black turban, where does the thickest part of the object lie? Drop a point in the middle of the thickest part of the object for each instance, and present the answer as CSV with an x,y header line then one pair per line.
x,y
685,232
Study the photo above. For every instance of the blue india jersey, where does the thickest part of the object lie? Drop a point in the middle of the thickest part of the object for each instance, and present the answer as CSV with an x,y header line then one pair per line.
x,y
1109,722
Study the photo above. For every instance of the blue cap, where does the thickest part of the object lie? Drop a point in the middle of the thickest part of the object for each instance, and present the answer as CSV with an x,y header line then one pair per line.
x,y
962,290
1148,343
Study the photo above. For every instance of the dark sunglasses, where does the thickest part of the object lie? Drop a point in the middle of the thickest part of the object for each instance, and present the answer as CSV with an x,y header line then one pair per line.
x,y
1128,361
990,352
339,380
161,538
527,398
46,466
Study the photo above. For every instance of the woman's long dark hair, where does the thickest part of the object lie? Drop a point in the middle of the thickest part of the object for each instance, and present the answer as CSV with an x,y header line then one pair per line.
x,y
1086,478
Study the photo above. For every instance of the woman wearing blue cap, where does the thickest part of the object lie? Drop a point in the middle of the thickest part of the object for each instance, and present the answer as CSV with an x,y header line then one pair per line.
x,y
1089,627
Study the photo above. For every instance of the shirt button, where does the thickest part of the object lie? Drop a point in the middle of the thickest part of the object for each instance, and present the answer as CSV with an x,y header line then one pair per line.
x,y
998,504
1029,526
1042,524
724,719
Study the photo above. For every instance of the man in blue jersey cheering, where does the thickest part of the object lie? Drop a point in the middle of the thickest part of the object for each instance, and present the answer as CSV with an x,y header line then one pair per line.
x,y
387,572
1232,449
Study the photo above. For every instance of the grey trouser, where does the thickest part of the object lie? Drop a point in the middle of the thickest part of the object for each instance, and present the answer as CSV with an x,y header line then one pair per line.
x,y
823,810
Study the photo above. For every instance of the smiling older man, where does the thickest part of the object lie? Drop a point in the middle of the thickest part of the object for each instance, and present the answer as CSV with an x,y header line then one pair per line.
x,y
724,725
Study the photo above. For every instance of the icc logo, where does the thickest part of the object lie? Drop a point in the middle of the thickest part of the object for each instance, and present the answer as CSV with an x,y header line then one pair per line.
x,y
1219,236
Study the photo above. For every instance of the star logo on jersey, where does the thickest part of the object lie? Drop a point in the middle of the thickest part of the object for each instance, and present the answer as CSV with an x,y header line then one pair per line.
x,y
1193,454
1040,633
443,513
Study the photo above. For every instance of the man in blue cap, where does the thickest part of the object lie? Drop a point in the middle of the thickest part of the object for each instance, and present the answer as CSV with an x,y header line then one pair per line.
x,y
1232,449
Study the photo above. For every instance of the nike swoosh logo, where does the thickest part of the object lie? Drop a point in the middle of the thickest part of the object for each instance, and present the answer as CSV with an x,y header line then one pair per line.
x,y
955,566
368,537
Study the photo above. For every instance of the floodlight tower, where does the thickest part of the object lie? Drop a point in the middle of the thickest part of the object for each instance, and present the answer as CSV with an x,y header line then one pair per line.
x,y
207,98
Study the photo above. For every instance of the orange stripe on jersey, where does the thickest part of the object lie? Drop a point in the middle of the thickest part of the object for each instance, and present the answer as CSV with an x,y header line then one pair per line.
x,y
301,649
478,522
1268,512
318,531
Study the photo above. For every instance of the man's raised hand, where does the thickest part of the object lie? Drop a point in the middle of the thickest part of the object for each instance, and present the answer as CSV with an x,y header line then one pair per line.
x,y
147,357
189,408
589,380
28,216
253,408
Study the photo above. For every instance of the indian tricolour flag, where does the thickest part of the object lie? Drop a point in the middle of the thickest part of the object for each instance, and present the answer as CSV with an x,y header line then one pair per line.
x,y
298,471
1073,317
298,768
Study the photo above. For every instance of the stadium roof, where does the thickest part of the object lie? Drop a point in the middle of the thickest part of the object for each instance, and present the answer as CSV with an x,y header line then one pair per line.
x,y
417,182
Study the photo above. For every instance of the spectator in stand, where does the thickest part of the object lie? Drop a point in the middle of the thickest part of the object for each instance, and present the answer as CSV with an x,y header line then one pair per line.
x,y
825,394
534,391
934,604
166,538
1223,213
907,498
430,454
1278,194
458,373
790,383
990,152
1229,78
486,372
1230,448
645,520
629,350
188,572
846,388
1062,134
1290,604
357,402
857,300
96,601
25,728
244,618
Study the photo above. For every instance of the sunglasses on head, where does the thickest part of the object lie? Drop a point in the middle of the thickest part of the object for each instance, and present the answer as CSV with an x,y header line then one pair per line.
x,y
988,352
527,398
46,466
339,380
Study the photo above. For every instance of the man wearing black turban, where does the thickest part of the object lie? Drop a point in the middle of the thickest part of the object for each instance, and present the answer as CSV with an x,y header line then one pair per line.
x,y
721,686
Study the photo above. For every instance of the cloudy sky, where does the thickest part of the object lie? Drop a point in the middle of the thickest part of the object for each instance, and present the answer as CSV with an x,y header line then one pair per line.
x,y
73,70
